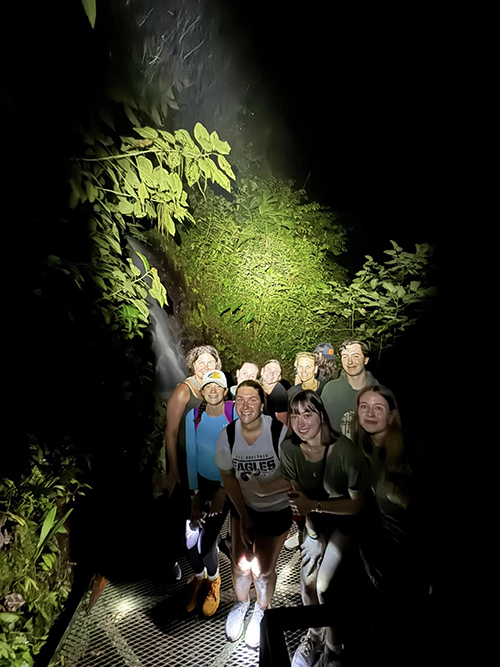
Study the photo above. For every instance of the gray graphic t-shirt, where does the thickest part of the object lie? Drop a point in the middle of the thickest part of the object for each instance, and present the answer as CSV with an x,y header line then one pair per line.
x,y
256,467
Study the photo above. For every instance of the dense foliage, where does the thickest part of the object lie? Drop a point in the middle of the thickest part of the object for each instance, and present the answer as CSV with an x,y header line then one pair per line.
x,y
124,190
255,265
383,299
35,573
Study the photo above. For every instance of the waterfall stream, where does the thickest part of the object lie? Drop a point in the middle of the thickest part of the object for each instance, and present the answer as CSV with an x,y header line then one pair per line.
x,y
166,336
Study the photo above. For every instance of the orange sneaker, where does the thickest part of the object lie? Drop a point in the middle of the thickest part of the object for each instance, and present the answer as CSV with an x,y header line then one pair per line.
x,y
212,599
194,593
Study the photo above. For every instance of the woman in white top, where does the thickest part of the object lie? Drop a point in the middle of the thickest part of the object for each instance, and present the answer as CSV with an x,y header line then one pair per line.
x,y
247,455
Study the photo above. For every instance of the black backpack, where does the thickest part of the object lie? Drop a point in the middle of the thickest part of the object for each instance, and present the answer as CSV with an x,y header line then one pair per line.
x,y
276,428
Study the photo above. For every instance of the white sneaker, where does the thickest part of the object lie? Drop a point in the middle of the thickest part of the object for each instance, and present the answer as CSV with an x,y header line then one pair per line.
x,y
308,652
252,635
236,620
292,543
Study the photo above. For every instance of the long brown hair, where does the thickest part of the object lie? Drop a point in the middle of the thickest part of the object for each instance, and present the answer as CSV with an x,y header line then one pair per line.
x,y
391,452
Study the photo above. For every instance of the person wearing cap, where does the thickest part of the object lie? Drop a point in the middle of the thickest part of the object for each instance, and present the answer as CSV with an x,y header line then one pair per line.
x,y
248,371
208,497
306,365
339,396
327,364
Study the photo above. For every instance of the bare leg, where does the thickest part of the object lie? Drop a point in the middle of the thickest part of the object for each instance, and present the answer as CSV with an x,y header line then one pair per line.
x,y
242,579
267,550
334,552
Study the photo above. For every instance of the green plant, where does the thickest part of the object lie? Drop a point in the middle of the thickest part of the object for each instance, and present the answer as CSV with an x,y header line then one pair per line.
x,y
123,191
254,267
383,300
35,577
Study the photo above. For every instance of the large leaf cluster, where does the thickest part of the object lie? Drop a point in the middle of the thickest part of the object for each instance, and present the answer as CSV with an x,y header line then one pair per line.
x,y
125,191
255,266
383,299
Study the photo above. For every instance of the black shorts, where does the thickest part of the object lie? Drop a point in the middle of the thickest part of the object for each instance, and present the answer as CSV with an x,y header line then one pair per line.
x,y
270,524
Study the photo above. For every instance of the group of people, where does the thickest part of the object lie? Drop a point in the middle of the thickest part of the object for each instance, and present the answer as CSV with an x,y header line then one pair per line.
x,y
326,452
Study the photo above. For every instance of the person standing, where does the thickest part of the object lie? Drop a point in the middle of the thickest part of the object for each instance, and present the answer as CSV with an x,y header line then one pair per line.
x,y
247,455
208,497
329,476
339,396
184,398
306,365
248,371
276,404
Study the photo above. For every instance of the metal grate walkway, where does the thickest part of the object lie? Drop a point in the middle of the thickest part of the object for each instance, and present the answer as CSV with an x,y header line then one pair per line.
x,y
143,624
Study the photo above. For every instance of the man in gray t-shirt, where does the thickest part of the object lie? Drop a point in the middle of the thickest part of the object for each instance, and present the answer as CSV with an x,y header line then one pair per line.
x,y
339,396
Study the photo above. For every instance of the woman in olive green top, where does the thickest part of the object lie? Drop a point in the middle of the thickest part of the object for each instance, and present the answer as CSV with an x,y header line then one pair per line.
x,y
329,476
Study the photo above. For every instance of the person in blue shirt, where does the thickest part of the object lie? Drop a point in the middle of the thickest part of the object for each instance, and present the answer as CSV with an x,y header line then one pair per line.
x,y
208,497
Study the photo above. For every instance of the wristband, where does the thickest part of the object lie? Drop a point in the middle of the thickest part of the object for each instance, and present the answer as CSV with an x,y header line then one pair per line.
x,y
319,509
313,536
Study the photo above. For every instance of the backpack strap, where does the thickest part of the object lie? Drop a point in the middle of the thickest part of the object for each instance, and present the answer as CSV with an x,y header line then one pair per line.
x,y
195,417
228,410
276,428
231,434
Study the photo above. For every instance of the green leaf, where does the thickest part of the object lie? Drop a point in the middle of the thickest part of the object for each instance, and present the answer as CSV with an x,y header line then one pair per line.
x,y
90,9
184,138
225,166
47,525
168,137
130,115
8,617
192,173
146,132
144,260
175,183
202,137
125,207
129,312
218,145
145,168
414,285
161,176
143,192
400,291
173,159
221,179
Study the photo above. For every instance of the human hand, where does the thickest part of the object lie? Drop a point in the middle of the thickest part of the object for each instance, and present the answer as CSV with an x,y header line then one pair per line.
x,y
173,478
312,553
196,517
217,504
300,503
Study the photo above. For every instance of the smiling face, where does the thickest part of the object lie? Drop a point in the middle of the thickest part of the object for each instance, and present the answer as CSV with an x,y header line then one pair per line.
x,y
306,424
248,405
204,363
374,414
271,373
213,393
306,368
248,371
353,360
